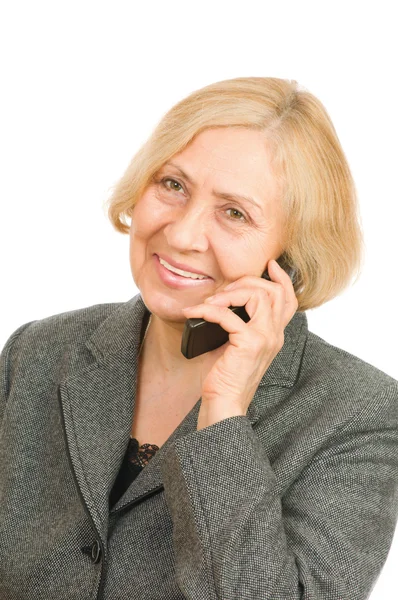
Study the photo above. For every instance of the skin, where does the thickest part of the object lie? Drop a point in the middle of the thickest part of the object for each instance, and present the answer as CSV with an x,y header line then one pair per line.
x,y
193,226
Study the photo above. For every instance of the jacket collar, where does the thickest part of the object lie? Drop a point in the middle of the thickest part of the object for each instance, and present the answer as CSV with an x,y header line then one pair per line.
x,y
118,338
97,405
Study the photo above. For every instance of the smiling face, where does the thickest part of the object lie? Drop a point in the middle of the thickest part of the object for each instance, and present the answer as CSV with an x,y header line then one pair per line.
x,y
187,217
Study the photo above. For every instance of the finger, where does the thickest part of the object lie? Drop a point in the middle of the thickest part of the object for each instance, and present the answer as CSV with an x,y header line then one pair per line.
x,y
277,274
222,315
254,279
263,299
280,276
258,308
248,297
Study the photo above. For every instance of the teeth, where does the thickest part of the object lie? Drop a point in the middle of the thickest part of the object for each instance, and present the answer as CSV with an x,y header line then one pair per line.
x,y
180,272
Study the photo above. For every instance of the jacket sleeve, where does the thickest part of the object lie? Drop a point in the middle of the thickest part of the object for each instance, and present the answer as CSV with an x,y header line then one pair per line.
x,y
326,538
7,358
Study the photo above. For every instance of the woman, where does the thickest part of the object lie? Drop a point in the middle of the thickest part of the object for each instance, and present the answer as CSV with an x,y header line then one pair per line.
x,y
266,468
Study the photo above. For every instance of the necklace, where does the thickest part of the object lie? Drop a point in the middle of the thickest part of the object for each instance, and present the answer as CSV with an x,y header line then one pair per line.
x,y
143,339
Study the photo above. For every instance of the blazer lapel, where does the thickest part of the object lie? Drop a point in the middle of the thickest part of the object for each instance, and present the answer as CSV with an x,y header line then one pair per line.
x,y
98,405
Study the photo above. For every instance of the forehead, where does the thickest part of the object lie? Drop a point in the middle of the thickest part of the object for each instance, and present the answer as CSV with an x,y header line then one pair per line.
x,y
238,158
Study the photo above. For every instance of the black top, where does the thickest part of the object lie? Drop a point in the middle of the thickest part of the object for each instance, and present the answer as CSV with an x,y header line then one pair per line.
x,y
134,461
136,457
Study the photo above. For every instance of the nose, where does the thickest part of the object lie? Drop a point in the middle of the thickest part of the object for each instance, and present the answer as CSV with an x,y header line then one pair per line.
x,y
189,228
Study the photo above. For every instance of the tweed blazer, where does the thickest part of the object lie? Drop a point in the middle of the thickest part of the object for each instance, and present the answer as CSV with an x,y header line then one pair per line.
x,y
298,499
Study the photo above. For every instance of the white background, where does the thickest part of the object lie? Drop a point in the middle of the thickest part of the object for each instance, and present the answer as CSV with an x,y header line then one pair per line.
x,y
83,85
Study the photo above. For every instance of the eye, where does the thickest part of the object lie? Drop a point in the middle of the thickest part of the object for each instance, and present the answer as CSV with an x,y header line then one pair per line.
x,y
240,218
235,211
174,182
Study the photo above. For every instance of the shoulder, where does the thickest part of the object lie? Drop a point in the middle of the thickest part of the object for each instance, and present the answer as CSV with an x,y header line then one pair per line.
x,y
65,327
340,364
57,341
342,382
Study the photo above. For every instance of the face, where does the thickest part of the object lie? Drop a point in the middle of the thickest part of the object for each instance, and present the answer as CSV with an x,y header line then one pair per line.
x,y
187,218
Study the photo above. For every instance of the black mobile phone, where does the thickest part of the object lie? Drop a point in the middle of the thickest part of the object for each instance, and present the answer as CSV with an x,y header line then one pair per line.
x,y
200,336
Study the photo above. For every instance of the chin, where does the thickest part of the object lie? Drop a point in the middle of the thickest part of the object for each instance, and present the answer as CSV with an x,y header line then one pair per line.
x,y
165,307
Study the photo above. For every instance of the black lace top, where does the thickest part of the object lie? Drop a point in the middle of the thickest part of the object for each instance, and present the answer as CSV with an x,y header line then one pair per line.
x,y
134,461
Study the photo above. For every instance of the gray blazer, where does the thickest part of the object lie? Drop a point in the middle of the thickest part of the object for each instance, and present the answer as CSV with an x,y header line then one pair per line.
x,y
296,500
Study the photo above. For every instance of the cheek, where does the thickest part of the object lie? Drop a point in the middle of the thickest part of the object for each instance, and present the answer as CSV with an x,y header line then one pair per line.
x,y
230,257
149,215
241,256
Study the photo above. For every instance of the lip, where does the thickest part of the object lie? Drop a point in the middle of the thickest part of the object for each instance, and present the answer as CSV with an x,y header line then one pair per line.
x,y
181,266
177,281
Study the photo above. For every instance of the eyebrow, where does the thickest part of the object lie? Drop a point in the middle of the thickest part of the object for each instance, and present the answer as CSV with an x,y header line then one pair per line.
x,y
225,195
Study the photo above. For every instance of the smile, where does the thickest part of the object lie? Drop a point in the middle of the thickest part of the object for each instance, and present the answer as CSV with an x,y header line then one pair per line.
x,y
180,271
179,279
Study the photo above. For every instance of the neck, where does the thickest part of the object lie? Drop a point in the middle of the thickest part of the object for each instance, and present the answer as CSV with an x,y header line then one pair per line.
x,y
161,346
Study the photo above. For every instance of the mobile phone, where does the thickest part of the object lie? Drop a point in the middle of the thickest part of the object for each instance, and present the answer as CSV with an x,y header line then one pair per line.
x,y
200,336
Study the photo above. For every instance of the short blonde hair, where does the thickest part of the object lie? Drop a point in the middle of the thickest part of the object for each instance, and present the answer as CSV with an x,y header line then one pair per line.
x,y
323,236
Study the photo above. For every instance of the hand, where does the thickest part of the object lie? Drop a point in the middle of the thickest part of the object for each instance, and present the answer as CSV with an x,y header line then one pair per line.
x,y
231,383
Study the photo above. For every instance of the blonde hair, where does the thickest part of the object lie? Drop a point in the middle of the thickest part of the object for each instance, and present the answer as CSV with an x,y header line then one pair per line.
x,y
323,236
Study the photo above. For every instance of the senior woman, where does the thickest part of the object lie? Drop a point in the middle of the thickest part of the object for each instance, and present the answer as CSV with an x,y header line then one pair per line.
x,y
266,468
